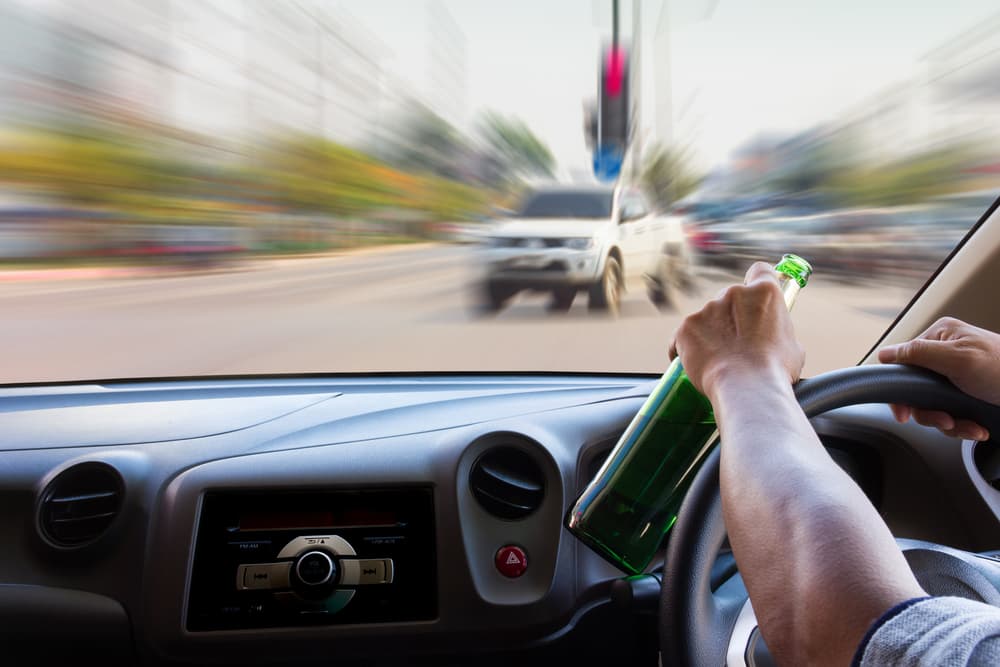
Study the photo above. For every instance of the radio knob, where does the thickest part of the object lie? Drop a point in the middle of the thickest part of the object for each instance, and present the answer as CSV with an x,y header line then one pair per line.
x,y
315,568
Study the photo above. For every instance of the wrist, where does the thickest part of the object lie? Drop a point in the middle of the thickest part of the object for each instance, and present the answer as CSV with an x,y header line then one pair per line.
x,y
735,379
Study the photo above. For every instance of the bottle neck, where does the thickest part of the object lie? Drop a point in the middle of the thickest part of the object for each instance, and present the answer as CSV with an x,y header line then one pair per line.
x,y
789,289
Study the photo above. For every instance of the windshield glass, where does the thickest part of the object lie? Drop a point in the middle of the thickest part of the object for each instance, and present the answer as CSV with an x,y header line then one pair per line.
x,y
578,204
220,187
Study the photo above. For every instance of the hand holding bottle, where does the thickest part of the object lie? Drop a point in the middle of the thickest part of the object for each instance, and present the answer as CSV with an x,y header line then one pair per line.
x,y
745,330
634,498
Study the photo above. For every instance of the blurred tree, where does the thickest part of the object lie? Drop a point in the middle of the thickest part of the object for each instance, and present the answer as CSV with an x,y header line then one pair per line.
x,y
428,143
314,174
105,166
514,147
666,176
907,181
143,175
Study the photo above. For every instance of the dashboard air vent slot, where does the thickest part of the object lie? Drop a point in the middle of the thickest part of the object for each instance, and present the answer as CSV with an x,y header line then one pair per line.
x,y
507,482
80,504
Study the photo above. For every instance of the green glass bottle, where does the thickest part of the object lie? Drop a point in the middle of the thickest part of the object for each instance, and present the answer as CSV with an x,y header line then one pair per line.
x,y
629,506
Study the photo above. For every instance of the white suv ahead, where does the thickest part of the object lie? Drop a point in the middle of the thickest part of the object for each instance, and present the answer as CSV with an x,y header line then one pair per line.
x,y
597,239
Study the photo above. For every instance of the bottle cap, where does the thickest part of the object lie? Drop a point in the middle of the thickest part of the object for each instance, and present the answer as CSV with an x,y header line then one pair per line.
x,y
795,268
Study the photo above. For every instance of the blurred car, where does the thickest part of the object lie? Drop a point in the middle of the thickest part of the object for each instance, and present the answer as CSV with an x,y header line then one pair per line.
x,y
597,239
707,224
459,232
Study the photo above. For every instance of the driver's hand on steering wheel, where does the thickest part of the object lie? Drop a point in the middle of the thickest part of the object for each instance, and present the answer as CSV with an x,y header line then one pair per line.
x,y
966,355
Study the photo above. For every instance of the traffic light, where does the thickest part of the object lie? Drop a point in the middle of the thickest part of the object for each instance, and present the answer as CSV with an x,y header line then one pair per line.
x,y
608,128
613,106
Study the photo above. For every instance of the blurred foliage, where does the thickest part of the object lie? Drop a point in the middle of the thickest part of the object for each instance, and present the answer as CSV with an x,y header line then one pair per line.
x,y
666,176
515,148
915,179
139,173
92,165
833,166
427,142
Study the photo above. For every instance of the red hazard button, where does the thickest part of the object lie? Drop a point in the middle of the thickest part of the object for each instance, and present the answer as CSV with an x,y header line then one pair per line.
x,y
511,561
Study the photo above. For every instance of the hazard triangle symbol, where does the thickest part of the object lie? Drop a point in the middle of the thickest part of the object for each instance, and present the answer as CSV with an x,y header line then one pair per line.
x,y
512,559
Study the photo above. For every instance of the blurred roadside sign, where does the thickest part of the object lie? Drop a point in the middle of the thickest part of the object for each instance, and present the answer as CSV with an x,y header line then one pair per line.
x,y
607,162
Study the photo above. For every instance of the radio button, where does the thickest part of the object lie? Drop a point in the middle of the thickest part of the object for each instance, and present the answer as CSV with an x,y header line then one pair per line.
x,y
315,568
350,571
262,576
338,545
375,571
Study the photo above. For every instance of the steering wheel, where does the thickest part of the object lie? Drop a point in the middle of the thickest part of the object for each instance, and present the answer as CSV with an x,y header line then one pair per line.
x,y
702,628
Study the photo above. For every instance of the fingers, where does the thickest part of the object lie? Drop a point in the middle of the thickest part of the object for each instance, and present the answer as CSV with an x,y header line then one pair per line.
x,y
936,355
942,329
921,348
760,271
955,428
968,430
902,413
934,418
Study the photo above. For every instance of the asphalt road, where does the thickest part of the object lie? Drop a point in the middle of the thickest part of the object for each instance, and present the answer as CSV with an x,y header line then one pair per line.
x,y
406,308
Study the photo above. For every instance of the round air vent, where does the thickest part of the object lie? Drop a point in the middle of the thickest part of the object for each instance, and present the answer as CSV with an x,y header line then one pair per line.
x,y
507,482
80,503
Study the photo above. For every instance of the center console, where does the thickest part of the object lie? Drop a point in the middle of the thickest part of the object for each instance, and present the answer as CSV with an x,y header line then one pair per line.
x,y
290,559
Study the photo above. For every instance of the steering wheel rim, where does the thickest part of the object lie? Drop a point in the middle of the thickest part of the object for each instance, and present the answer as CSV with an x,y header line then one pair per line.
x,y
695,623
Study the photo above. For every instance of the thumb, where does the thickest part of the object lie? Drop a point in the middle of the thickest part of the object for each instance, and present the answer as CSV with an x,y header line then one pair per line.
x,y
936,355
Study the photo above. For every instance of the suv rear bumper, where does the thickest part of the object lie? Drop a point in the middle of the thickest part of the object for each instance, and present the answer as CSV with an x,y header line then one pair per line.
x,y
542,270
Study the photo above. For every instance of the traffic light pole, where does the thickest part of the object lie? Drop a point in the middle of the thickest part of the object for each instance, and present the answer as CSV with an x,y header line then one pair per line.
x,y
636,90
614,24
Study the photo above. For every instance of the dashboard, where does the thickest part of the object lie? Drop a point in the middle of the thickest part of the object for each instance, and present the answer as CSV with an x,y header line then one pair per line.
x,y
362,519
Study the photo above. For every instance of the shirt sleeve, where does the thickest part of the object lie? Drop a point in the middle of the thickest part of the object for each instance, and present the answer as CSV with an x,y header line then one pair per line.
x,y
938,631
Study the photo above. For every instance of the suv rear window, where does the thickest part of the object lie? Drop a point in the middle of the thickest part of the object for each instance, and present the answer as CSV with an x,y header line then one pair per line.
x,y
580,204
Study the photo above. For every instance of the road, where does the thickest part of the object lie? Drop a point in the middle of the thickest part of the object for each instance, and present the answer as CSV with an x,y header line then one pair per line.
x,y
406,308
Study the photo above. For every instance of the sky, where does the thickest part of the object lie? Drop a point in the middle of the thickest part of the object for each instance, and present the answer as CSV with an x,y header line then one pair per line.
x,y
738,69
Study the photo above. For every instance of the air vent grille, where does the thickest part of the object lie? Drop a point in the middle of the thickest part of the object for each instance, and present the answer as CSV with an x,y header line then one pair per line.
x,y
80,504
507,482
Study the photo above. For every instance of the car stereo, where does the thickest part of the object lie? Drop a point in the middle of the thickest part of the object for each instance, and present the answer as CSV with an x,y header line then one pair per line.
x,y
285,559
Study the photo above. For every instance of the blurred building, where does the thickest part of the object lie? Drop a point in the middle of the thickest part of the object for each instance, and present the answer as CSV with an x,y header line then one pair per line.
x,y
228,70
446,62
953,98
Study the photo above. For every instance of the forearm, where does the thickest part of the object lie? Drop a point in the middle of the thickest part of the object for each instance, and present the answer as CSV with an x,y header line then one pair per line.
x,y
817,559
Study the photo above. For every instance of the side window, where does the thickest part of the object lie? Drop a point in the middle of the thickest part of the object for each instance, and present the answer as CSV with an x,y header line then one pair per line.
x,y
632,208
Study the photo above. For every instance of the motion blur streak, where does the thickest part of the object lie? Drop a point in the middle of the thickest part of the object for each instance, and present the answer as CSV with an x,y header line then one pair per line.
x,y
237,150
191,131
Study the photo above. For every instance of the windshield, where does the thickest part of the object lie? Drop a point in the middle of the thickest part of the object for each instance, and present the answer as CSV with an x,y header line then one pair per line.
x,y
222,187
578,204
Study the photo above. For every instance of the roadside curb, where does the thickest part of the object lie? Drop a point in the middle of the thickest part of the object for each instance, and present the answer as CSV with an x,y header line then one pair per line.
x,y
88,273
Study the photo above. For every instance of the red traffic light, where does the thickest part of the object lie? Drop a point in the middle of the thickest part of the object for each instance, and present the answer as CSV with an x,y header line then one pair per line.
x,y
614,71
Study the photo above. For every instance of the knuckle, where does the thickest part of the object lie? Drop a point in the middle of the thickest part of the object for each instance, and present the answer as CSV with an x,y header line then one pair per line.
x,y
903,352
763,292
684,328
726,294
